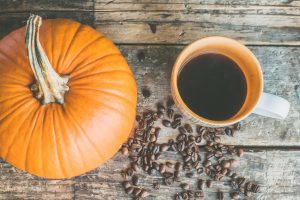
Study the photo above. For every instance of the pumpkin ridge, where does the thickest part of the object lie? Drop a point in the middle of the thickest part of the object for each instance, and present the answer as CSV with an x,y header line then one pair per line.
x,y
97,59
58,147
101,90
15,97
75,122
86,46
69,46
77,77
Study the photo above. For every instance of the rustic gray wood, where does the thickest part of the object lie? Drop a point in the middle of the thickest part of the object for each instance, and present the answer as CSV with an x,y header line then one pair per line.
x,y
271,28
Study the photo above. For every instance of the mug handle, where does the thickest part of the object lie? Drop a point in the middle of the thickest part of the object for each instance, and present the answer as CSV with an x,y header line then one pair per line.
x,y
272,106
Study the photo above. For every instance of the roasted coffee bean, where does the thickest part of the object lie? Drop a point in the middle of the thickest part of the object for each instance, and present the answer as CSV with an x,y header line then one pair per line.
x,y
190,193
170,164
161,108
182,130
185,186
200,184
136,191
233,162
135,180
143,193
234,175
235,195
152,138
138,118
166,123
157,156
207,163
229,173
184,196
176,174
151,171
156,186
189,174
175,124
187,158
160,114
240,152
126,184
217,139
209,156
147,115
248,186
164,147
194,156
167,174
129,172
218,154
255,188
228,131
188,128
181,146
199,194
177,197
181,137
191,138
225,164
124,151
134,166
170,113
129,190
177,117
177,166
208,183
162,168
237,126
220,195
224,171
241,181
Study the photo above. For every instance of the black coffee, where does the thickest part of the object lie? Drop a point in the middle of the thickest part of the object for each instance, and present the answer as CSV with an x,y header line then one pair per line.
x,y
213,86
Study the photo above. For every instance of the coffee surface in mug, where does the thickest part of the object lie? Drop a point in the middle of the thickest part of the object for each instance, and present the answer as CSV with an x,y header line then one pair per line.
x,y
213,86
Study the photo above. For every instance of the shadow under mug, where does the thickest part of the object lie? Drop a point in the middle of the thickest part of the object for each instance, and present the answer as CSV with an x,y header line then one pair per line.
x,y
256,100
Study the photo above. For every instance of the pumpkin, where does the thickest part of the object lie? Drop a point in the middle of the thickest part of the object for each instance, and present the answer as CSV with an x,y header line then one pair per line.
x,y
67,98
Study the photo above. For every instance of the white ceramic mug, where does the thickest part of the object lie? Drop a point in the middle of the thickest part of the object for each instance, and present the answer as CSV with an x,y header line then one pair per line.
x,y
256,100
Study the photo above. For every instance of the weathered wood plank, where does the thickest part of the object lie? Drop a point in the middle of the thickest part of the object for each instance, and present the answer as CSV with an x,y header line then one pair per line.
x,y
211,2
12,21
281,73
36,5
276,171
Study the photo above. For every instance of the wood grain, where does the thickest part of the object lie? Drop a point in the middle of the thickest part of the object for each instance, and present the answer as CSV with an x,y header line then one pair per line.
x,y
275,171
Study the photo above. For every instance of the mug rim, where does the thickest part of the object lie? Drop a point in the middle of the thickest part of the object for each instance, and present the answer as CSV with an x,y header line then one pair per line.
x,y
178,100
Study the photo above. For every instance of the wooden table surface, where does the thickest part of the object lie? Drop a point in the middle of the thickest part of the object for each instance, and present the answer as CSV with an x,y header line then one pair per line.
x,y
160,29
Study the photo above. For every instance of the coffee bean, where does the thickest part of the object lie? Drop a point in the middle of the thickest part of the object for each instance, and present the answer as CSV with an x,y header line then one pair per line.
x,y
162,168
177,197
126,184
208,183
181,146
177,166
166,123
160,114
247,193
209,156
185,186
136,191
181,137
157,156
161,108
143,193
134,166
182,130
220,195
135,180
225,164
176,174
170,164
217,139
178,117
237,126
233,162
188,128
200,184
198,139
240,152
124,151
228,131
207,163
175,124
170,113
129,190
255,188
138,118
156,186
234,175
152,138
199,194
184,196
189,174
164,147
168,181
218,154
146,92
235,195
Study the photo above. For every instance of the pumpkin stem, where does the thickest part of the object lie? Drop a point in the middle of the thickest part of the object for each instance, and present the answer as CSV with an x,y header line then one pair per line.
x,y
49,86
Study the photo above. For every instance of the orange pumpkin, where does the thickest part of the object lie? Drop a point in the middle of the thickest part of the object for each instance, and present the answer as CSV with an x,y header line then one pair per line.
x,y
68,104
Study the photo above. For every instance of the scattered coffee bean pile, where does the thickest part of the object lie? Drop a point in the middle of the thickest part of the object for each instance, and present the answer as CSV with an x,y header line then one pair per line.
x,y
144,153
